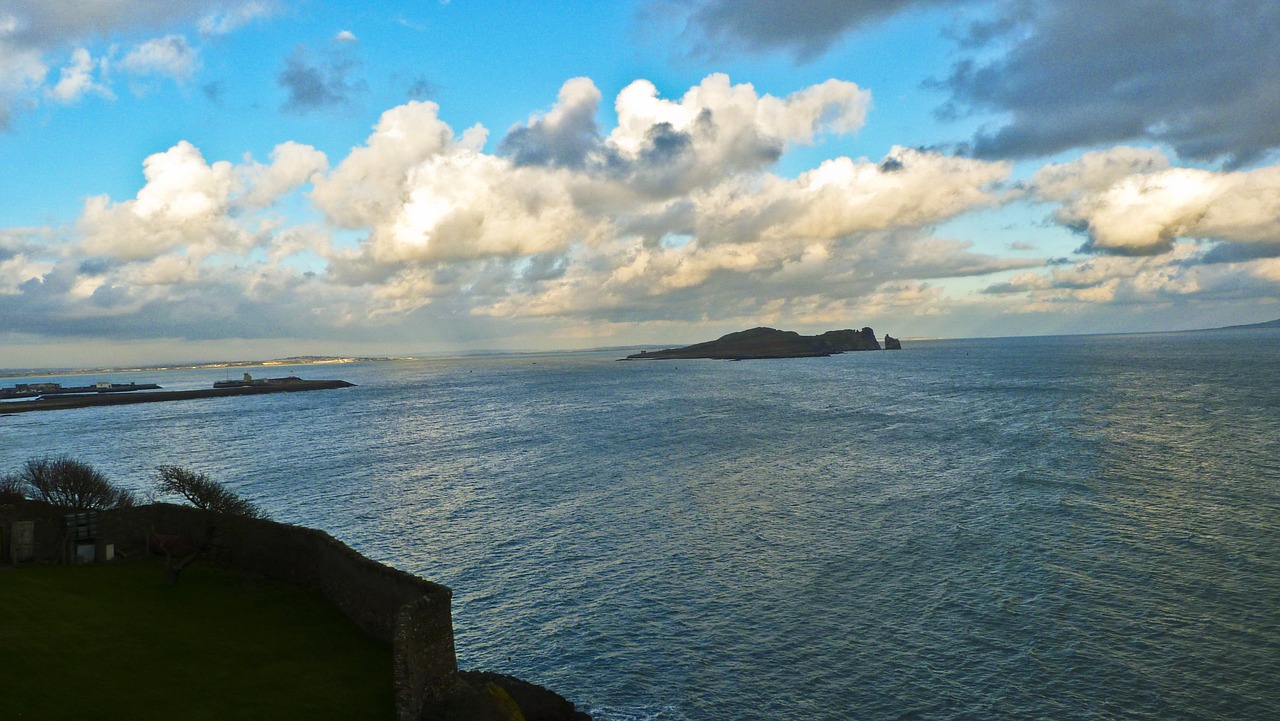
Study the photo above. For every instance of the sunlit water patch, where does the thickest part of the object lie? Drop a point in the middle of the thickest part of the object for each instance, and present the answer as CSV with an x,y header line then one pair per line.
x,y
1065,528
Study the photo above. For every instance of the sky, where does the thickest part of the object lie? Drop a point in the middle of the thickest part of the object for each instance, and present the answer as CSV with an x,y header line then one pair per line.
x,y
237,179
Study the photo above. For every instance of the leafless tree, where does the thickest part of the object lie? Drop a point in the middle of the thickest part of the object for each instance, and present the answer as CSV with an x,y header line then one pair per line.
x,y
206,494
68,483
203,492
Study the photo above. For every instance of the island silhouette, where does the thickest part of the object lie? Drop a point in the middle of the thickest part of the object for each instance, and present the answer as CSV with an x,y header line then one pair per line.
x,y
761,343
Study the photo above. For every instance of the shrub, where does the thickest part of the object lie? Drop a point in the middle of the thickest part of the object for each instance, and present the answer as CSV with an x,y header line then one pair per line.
x,y
11,488
203,492
68,483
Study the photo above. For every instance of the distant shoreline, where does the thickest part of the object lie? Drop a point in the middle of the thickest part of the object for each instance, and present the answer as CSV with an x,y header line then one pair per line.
x,y
337,360
292,361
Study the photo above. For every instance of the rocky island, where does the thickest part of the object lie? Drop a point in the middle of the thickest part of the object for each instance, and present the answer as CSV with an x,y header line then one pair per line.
x,y
760,343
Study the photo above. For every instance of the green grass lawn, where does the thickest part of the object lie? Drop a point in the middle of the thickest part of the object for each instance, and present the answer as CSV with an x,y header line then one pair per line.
x,y
113,642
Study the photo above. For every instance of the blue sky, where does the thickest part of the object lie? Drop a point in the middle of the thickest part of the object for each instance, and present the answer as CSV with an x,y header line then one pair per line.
x,y
259,178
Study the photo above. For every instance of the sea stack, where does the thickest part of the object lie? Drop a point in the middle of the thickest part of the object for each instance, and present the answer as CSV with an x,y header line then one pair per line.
x,y
891,343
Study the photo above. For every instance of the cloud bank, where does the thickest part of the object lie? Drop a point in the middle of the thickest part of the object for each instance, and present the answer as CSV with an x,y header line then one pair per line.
x,y
674,213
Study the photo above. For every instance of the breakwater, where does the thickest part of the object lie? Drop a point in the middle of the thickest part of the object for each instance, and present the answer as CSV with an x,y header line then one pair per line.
x,y
61,402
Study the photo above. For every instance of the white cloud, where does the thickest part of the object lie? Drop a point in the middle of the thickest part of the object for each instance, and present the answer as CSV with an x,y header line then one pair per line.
x,y
555,227
292,165
221,21
368,186
34,31
565,225
719,128
345,36
1146,212
171,56
1177,276
1095,171
183,205
20,257
76,80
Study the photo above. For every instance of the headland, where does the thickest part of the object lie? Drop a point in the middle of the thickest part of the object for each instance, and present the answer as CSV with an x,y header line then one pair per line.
x,y
762,343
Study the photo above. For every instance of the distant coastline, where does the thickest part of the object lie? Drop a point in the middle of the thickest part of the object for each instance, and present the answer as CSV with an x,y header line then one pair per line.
x,y
1252,326
336,360
302,360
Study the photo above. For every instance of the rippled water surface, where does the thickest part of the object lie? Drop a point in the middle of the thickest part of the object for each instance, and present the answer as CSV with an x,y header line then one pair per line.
x,y
1057,528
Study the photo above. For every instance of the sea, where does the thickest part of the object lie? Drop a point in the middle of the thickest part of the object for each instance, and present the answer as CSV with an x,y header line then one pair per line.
x,y
1082,527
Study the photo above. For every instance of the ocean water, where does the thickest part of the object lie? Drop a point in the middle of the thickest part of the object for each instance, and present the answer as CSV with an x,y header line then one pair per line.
x,y
1033,528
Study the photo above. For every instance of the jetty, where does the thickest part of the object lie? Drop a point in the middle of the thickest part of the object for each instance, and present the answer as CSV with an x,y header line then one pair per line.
x,y
221,389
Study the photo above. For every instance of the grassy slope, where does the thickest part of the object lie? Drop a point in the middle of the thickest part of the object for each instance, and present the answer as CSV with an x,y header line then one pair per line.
x,y
112,642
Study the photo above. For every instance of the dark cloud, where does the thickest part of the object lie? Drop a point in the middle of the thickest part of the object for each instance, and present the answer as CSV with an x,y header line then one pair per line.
x,y
94,266
567,143
890,165
214,90
545,266
665,143
1203,76
422,89
318,85
805,29
1200,75
1240,252
46,23
207,310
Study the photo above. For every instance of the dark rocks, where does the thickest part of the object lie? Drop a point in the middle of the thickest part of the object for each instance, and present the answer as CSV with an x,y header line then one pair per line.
x,y
758,343
891,343
485,696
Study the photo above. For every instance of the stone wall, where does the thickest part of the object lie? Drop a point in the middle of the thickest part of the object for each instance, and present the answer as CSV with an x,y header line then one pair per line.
x,y
410,614
48,529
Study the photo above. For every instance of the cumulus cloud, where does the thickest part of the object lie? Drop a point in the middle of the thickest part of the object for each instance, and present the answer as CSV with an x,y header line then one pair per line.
x,y
568,220
566,136
1130,202
292,165
1095,171
344,36
183,204
369,183
719,127
663,148
566,223
191,206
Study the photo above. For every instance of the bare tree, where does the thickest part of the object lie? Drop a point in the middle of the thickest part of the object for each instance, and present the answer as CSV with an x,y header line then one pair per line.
x,y
68,483
206,494
12,488
203,492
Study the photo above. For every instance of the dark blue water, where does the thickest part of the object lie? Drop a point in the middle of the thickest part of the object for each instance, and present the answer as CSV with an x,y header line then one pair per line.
x,y
1042,528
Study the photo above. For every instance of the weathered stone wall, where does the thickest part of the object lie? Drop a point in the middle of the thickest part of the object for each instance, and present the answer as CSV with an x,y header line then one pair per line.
x,y
411,614
426,668
48,529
